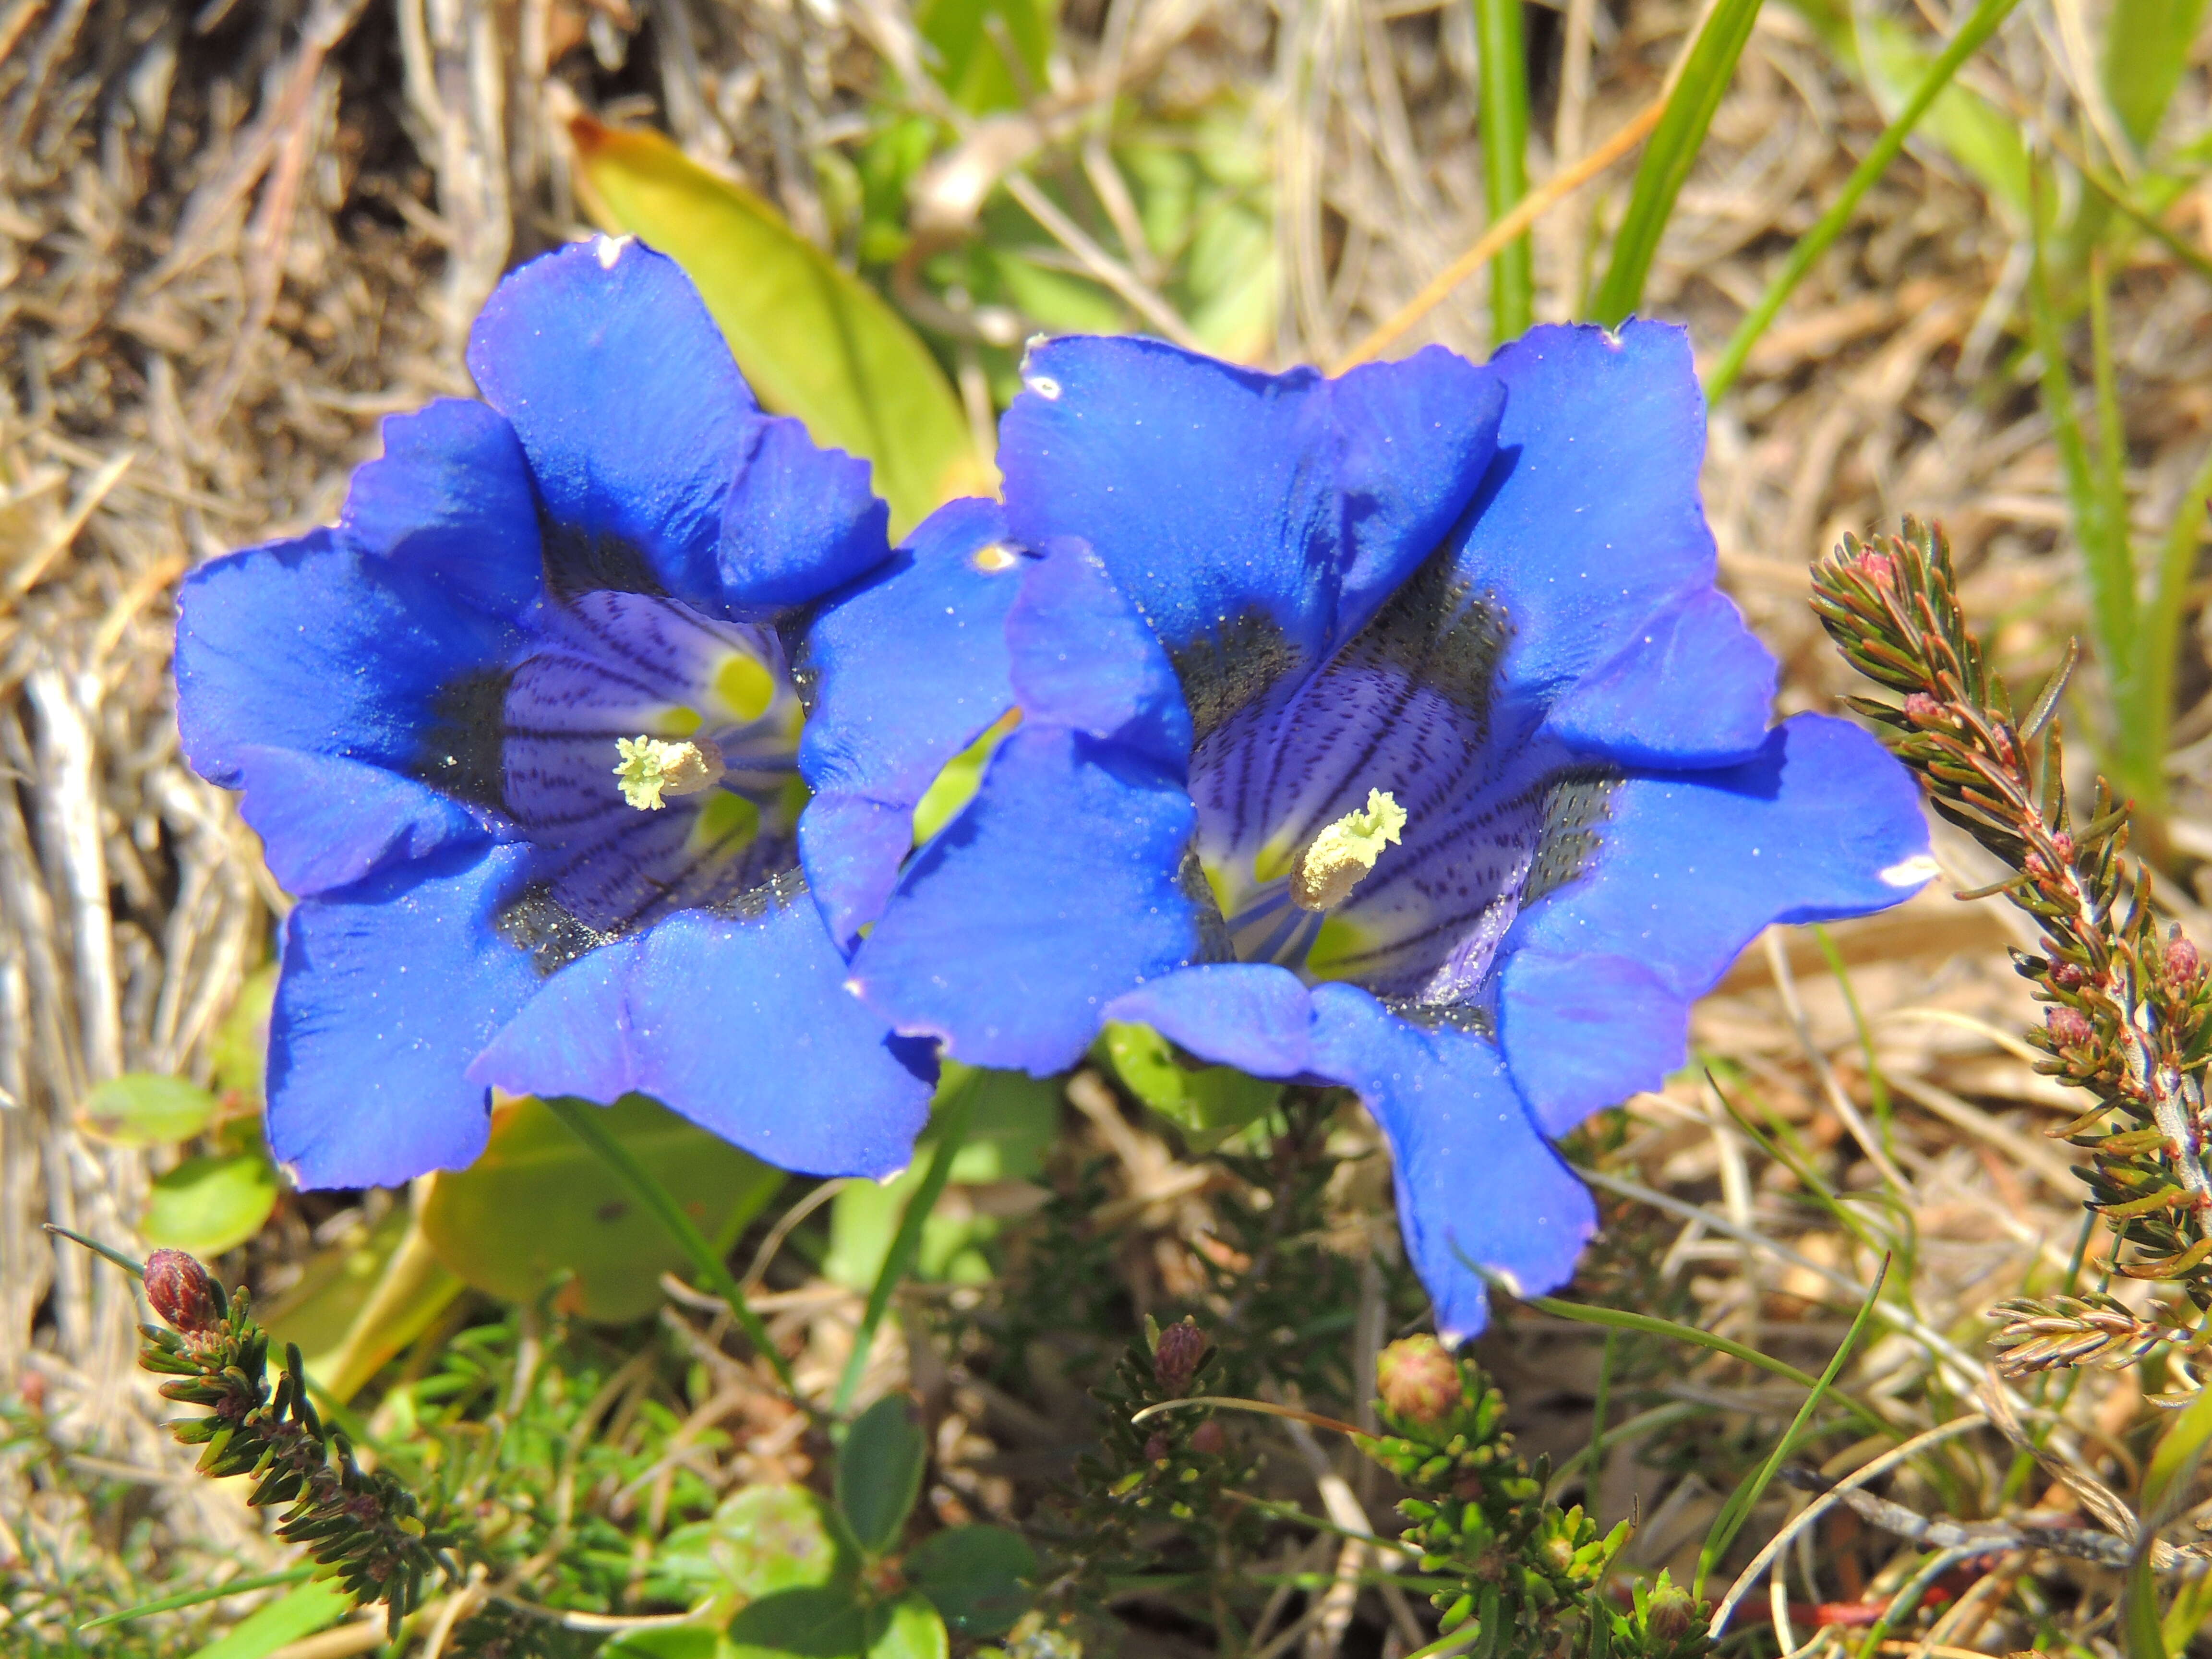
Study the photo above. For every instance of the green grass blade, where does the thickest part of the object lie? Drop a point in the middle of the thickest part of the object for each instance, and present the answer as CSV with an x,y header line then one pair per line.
x,y
2146,45
1651,1324
1503,118
1671,154
1983,22
906,1244
1738,1508
2105,561
2159,648
2166,1489
583,1122
195,1597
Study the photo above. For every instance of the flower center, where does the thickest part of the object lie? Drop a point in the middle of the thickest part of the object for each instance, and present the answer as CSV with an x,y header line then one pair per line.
x,y
695,721
650,768
1345,851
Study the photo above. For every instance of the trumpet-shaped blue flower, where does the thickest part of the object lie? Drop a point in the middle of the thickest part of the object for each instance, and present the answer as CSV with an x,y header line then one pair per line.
x,y
1386,731
540,730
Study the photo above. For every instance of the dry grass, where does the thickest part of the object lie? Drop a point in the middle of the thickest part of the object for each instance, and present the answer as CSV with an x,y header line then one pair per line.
x,y
231,239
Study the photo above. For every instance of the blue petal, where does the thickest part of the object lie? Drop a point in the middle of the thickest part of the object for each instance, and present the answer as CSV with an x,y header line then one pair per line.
x,y
905,672
1590,534
628,402
1598,977
1236,507
1254,1017
1690,690
799,522
1083,656
1478,1185
314,647
1054,891
389,989
452,499
743,1025
325,822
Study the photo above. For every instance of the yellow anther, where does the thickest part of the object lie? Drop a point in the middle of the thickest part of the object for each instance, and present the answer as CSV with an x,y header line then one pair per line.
x,y
652,768
1344,852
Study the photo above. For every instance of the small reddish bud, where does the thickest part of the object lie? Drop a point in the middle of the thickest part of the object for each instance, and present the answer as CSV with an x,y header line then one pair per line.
x,y
2182,964
181,1292
2069,1028
1670,1611
1878,567
2069,976
1174,1359
1209,1439
1921,709
1419,1379
2062,844
1156,1449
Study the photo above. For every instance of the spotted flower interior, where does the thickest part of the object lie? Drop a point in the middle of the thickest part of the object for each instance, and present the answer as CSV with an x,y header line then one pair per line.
x,y
1492,820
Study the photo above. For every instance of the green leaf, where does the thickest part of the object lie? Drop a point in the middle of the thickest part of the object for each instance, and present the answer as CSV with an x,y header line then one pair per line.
x,y
669,1642
2146,45
990,54
762,1540
1960,121
1669,156
907,1629
311,1608
141,1109
1209,1103
879,1473
239,1053
1503,114
539,1203
210,1205
977,1578
815,1624
955,785
813,340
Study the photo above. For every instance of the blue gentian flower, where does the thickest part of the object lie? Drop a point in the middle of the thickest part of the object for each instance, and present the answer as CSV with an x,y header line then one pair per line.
x,y
531,731
1386,731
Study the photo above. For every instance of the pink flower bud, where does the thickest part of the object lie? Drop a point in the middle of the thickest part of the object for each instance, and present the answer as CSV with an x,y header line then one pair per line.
x,y
2182,964
1878,567
2067,976
1921,709
1175,1360
1209,1439
2069,1028
181,1292
1419,1380
1156,1449
2062,844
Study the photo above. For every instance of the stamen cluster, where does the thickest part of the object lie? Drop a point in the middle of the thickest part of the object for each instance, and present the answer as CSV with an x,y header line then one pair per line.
x,y
2126,1003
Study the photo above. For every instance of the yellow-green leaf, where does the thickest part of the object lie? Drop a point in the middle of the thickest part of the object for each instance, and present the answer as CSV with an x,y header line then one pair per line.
x,y
210,1205
540,1202
814,340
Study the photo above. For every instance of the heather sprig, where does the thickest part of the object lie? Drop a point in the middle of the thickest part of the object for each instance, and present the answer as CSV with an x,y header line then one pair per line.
x,y
1479,1517
2126,1001
364,1526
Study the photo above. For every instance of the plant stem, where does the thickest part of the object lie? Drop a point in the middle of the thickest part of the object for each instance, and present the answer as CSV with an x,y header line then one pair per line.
x,y
583,1121
906,1244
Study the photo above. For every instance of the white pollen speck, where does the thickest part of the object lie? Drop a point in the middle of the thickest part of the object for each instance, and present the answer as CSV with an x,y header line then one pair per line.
x,y
609,249
1044,386
992,560
1912,872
